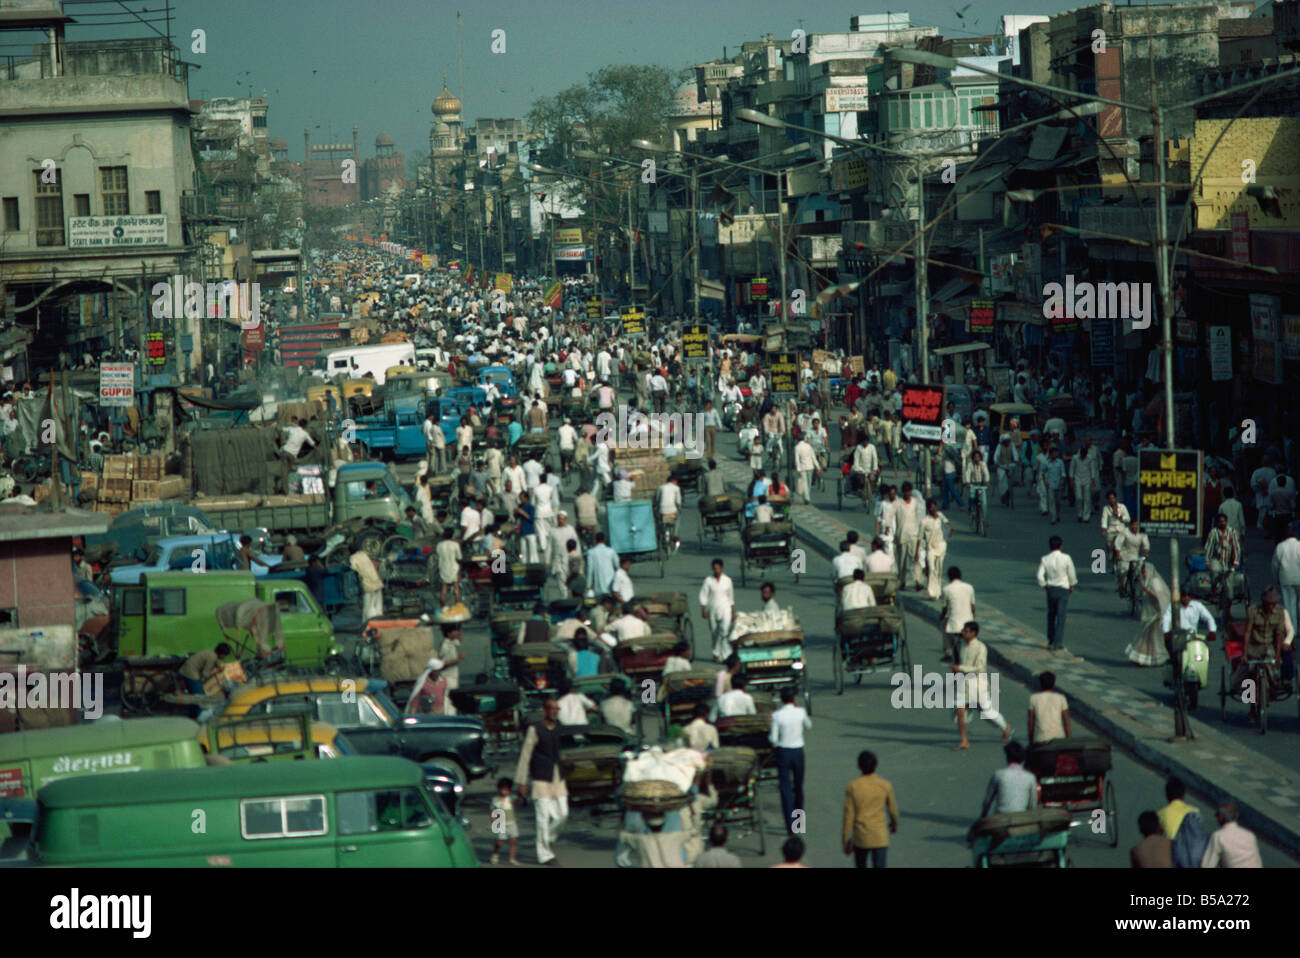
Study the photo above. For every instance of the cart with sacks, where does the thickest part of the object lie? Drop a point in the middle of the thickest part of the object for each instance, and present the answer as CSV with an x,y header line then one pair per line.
x,y
671,612
734,775
871,640
765,544
591,762
1034,839
770,647
752,732
680,692
1072,778
720,513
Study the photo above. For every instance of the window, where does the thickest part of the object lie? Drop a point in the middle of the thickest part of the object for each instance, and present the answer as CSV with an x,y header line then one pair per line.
x,y
133,602
295,817
11,214
360,712
386,810
293,602
259,122
167,602
81,204
9,617
152,202
113,190
49,209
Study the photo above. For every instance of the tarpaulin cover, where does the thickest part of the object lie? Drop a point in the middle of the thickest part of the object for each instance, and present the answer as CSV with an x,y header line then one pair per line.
x,y
260,619
235,461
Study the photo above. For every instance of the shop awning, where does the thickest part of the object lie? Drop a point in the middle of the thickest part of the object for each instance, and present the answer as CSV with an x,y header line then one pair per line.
x,y
950,291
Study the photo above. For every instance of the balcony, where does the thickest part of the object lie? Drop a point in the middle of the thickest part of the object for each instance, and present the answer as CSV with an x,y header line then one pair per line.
x,y
1127,220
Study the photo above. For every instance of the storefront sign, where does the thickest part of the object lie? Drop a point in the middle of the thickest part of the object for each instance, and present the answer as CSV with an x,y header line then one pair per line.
x,y
1169,492
785,374
982,314
1184,330
1220,352
117,384
255,338
88,232
633,320
1241,237
850,173
505,282
1267,364
157,349
923,414
1102,342
569,236
570,253
758,289
695,342
594,308
1265,317
845,99
1291,337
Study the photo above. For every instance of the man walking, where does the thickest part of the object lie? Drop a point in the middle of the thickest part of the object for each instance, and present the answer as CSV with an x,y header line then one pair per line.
x,y
1086,472
718,608
1231,846
372,586
1286,572
805,464
908,512
539,764
867,801
789,722
958,609
973,665
1057,577
1053,480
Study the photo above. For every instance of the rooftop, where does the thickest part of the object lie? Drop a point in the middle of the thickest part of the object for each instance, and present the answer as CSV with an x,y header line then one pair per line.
x,y
18,522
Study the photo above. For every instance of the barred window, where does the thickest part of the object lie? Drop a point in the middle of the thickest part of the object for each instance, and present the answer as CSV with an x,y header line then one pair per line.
x,y
153,202
49,209
113,189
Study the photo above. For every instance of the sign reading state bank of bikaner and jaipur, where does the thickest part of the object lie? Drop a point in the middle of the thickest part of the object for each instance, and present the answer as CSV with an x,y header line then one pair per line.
x,y
1169,492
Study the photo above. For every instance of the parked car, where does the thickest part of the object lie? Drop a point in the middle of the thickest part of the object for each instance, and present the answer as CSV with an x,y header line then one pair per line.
x,y
373,724
130,532
215,552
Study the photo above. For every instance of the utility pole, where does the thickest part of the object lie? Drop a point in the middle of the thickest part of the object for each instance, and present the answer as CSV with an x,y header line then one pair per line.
x,y
695,248
922,298
631,249
780,225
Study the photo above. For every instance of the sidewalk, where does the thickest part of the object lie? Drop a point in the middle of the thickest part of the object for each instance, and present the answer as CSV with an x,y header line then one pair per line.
x,y
1267,793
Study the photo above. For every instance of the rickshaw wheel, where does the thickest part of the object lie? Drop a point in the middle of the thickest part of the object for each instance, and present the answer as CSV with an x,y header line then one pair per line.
x,y
1111,810
838,655
688,634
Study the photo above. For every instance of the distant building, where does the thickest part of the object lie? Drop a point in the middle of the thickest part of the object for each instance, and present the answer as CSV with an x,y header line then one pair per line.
x,y
384,171
329,179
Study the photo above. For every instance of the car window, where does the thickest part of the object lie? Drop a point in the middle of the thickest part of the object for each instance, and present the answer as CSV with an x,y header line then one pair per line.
x,y
355,491
291,601
289,817
382,810
167,602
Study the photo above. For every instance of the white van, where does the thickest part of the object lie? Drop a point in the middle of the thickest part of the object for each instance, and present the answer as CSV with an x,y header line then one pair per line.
x,y
370,361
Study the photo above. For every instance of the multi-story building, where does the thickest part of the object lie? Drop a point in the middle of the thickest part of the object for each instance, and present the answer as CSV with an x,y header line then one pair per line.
x,y
331,172
384,171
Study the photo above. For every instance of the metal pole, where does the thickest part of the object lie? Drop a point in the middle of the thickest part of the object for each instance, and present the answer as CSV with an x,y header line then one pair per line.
x,y
1182,727
555,270
922,299
631,252
695,248
780,225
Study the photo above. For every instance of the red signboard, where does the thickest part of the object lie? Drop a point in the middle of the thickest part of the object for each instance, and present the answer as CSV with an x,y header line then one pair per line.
x,y
982,312
255,338
1241,237
11,782
922,413
758,289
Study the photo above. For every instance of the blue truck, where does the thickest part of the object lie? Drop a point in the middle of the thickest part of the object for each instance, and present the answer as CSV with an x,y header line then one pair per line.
x,y
502,376
397,432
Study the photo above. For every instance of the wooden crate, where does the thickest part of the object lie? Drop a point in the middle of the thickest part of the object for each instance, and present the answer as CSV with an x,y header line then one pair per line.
x,y
110,508
149,467
89,485
113,489
172,487
119,467
145,490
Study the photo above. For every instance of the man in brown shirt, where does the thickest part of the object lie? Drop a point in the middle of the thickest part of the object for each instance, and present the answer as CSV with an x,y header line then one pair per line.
x,y
1155,850
867,800
203,665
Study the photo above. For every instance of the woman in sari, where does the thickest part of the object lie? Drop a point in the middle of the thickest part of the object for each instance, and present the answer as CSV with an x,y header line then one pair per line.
x,y
1149,648
429,692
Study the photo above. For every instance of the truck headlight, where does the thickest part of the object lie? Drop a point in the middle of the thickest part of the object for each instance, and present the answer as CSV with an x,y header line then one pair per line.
x,y
796,665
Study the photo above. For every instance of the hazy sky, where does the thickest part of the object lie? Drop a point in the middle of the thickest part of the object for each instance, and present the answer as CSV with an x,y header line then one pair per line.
x,y
379,64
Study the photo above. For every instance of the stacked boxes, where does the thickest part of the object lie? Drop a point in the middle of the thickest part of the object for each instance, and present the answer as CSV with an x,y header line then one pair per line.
x,y
646,466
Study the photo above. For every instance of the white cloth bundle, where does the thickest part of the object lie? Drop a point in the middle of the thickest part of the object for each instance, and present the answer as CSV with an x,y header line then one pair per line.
x,y
679,767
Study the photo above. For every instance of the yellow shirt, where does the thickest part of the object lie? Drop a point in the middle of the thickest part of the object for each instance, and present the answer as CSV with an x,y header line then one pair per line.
x,y
1172,815
869,810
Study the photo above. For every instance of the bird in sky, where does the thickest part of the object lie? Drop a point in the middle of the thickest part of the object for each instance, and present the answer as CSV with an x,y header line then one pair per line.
x,y
961,14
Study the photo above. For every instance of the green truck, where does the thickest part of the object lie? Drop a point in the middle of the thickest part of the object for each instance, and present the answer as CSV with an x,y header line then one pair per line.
x,y
355,812
366,499
174,613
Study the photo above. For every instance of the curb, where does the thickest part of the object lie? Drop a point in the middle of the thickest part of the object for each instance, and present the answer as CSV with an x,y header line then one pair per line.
x,y
1265,817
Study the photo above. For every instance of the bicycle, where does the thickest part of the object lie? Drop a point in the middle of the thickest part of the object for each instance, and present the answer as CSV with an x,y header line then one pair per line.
x,y
1133,585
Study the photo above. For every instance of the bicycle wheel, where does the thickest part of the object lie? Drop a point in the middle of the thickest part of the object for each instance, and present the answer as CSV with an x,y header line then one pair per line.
x,y
838,653
1264,689
1134,596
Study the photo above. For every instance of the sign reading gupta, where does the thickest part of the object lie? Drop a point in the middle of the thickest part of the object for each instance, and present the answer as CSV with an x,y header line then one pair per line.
x,y
923,413
695,342
1169,492
117,384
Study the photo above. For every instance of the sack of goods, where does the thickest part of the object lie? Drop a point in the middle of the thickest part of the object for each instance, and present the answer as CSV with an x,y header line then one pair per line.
x,y
678,767
404,653
652,797
733,766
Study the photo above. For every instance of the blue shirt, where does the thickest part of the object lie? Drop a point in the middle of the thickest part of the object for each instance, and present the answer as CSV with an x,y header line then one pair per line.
x,y
588,663
514,431
602,566
759,488
528,526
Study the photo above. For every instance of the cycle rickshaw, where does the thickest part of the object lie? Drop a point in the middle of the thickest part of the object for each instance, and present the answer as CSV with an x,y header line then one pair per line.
x,y
720,513
764,544
868,641
1034,839
734,775
1071,775
1262,679
632,531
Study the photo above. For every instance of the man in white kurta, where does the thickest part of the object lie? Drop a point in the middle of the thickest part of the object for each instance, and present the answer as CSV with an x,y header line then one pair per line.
x,y
908,513
718,607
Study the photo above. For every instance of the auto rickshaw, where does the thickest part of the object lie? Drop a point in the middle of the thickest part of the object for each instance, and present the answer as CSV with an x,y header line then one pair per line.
x,y
1001,414
358,387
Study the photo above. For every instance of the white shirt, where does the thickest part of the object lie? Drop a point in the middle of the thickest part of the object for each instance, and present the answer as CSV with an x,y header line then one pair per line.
x,y
568,437
1056,570
1113,520
470,522
628,627
805,459
623,587
573,708
735,702
880,562
842,566
295,439
1286,562
543,499
717,596
1195,617
533,472
959,600
788,725
857,595
515,476
670,499
907,516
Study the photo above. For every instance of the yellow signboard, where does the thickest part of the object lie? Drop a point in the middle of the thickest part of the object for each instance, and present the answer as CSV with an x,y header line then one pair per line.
x,y
426,261
505,282
569,236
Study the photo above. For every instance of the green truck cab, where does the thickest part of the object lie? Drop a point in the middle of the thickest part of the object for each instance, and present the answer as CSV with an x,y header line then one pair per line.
x,y
174,613
368,491
31,760
354,812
